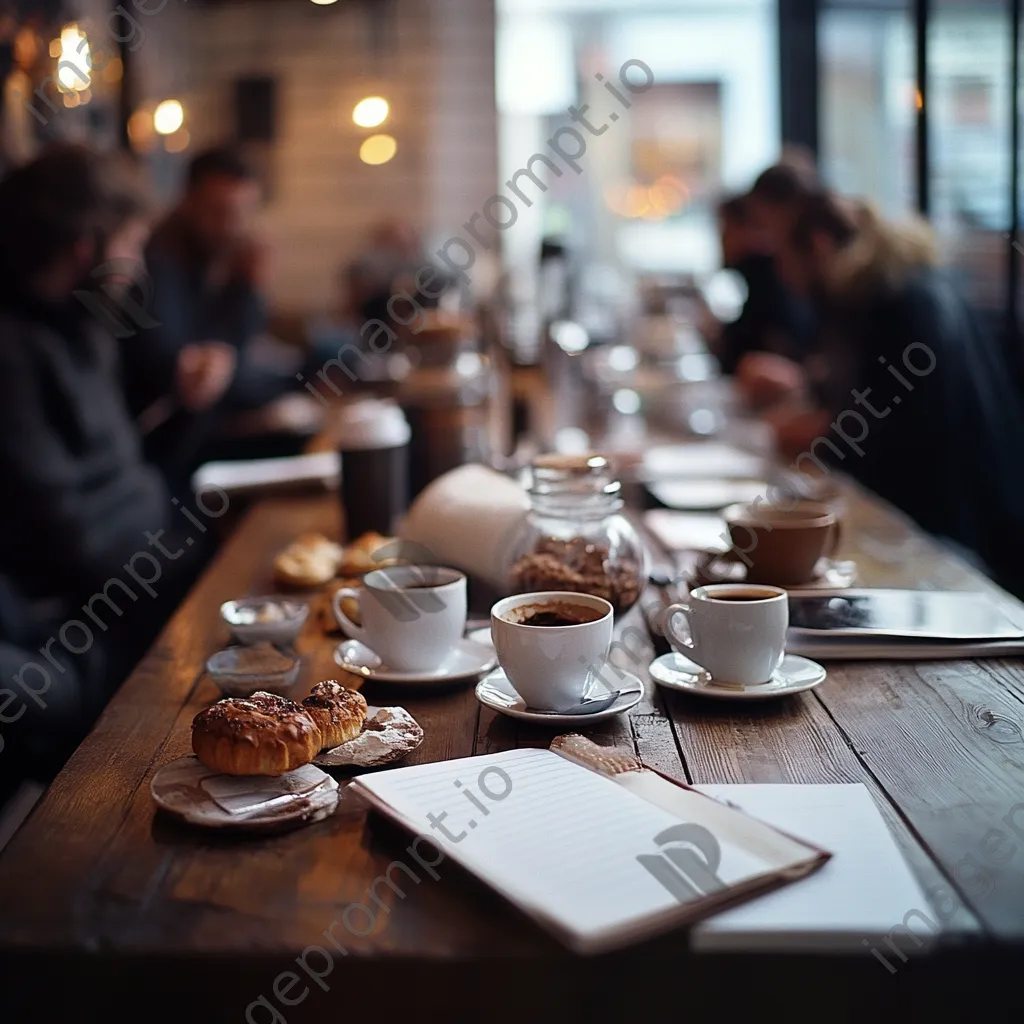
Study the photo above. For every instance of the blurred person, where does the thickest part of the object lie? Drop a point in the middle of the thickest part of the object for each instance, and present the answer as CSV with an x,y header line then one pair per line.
x,y
772,320
81,498
781,323
198,360
391,281
909,396
778,194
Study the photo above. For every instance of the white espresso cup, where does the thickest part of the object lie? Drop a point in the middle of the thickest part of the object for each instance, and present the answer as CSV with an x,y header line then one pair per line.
x,y
550,665
412,615
737,631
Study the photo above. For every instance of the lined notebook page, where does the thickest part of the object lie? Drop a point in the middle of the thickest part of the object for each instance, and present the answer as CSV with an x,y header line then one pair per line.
x,y
559,840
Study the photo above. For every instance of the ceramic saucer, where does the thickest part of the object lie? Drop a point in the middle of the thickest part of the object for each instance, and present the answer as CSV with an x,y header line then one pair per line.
x,y
706,495
794,675
829,574
481,636
496,692
466,661
191,792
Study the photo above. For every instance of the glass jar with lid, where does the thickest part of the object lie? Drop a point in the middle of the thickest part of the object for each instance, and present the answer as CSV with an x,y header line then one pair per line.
x,y
575,536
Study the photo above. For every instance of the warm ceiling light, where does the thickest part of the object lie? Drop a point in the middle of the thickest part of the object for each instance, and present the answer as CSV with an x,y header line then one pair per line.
x,y
371,111
140,129
378,149
74,59
324,3
168,117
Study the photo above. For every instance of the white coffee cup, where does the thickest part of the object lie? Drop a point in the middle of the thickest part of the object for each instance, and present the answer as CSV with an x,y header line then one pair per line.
x,y
549,666
737,631
412,615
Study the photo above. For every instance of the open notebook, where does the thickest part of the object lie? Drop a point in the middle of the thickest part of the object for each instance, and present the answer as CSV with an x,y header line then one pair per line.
x,y
599,860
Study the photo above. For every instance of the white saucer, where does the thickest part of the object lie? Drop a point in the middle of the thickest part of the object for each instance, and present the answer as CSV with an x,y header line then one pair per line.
x,y
794,675
482,637
829,574
498,694
191,792
466,661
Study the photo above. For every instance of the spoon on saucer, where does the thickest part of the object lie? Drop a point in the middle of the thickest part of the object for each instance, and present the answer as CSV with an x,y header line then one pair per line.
x,y
588,707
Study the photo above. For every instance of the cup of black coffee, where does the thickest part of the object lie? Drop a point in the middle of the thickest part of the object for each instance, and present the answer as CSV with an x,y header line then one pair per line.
x,y
373,441
549,643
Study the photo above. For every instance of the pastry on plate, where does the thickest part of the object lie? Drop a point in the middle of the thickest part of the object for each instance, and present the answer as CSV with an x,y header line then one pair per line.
x,y
270,735
309,561
366,553
338,712
259,735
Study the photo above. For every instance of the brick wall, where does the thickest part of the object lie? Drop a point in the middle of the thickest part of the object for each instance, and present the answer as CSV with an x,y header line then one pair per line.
x,y
438,76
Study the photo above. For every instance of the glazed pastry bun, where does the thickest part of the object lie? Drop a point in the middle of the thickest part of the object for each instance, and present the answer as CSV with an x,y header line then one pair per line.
x,y
259,735
338,712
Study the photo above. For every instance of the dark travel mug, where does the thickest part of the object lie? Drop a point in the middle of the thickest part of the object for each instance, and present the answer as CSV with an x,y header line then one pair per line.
x,y
373,442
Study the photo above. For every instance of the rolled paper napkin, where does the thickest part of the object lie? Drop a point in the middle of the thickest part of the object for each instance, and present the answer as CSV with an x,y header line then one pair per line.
x,y
468,519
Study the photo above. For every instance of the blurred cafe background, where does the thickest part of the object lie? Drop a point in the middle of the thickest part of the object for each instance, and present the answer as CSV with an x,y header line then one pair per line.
x,y
534,225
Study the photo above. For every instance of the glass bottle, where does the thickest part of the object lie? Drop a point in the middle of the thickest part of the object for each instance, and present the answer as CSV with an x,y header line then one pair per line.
x,y
575,538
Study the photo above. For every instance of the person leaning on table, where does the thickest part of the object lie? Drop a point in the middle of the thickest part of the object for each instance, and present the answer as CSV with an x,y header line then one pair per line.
x,y
79,499
904,364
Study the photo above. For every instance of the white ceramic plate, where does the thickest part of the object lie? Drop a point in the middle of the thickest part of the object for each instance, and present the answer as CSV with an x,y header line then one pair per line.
x,y
191,792
388,735
468,660
794,675
701,495
829,574
497,693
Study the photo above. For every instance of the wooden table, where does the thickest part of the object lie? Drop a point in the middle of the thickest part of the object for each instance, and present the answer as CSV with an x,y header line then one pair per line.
x,y
108,912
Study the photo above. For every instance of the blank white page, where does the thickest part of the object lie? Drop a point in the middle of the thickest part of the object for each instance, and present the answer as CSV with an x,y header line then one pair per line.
x,y
863,892
560,841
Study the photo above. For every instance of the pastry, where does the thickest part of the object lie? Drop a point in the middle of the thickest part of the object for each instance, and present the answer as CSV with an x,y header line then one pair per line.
x,y
368,552
309,561
259,735
338,712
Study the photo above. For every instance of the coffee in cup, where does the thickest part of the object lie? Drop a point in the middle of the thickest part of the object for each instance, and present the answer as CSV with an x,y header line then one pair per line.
x,y
412,616
781,546
737,631
549,644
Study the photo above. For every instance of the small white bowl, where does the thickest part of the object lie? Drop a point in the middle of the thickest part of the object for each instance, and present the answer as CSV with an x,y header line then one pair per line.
x,y
228,670
271,620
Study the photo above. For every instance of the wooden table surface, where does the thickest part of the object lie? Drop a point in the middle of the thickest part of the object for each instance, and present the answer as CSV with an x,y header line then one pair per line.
x,y
110,912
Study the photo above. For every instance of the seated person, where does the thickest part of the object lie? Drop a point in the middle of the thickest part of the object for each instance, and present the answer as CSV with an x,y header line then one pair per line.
x,y
197,359
392,281
910,398
82,503
768,213
773,319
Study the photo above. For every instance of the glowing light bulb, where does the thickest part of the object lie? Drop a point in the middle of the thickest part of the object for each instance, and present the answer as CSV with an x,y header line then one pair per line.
x,y
74,61
168,117
378,149
371,111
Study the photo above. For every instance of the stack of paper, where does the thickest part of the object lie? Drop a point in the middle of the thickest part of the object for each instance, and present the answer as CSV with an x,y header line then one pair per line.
x,y
321,470
865,893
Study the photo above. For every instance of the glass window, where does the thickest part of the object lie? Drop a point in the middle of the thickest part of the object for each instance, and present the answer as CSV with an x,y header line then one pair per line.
x,y
868,102
645,198
969,136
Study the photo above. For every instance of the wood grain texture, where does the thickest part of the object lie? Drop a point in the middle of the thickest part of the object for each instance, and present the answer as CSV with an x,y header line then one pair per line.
x,y
95,869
